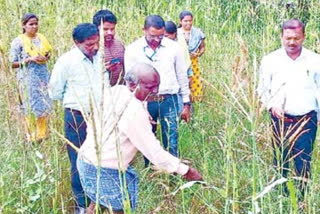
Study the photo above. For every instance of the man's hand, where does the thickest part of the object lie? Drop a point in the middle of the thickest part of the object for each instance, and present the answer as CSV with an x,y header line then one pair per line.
x,y
277,112
109,66
185,115
193,175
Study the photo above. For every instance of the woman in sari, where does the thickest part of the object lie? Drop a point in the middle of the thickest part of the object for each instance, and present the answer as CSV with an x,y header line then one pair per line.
x,y
195,40
29,54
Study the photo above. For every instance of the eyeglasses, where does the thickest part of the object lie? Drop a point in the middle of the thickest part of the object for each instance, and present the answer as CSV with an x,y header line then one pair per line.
x,y
155,36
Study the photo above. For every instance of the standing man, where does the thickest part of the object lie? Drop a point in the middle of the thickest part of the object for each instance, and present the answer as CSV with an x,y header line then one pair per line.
x,y
167,58
289,88
76,80
113,48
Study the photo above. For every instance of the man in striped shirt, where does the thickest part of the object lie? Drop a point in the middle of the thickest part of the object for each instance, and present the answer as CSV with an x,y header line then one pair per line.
x,y
114,49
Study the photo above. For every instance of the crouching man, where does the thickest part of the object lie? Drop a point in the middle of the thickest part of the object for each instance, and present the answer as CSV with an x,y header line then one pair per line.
x,y
114,139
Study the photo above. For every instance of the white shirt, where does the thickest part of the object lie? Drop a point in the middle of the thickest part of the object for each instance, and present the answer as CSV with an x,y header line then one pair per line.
x,y
75,80
292,85
167,59
125,125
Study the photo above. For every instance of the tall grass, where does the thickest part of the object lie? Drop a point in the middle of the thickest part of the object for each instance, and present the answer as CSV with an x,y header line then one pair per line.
x,y
228,138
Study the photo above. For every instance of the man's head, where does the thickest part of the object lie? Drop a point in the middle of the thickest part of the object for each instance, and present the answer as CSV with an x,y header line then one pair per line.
x,y
109,21
154,30
143,79
292,36
86,38
170,30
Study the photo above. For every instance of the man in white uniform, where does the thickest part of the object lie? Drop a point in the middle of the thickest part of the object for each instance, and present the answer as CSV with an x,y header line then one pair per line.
x,y
289,88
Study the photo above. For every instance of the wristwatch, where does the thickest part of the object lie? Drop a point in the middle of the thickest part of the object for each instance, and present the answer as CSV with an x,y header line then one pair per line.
x,y
188,104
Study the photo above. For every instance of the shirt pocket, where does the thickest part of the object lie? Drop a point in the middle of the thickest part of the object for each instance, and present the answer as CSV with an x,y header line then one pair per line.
x,y
307,79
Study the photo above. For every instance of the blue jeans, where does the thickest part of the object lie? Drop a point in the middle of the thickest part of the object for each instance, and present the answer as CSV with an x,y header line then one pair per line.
x,y
75,131
299,149
167,112
180,104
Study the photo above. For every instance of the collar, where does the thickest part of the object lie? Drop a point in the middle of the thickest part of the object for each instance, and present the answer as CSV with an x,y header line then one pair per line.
x,y
162,44
110,43
302,54
80,56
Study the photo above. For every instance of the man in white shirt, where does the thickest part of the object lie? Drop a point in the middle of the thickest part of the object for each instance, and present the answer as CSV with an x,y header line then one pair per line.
x,y
167,57
115,134
76,80
289,87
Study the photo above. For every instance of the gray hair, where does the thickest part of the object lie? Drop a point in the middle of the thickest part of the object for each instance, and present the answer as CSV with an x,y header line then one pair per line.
x,y
131,77
137,71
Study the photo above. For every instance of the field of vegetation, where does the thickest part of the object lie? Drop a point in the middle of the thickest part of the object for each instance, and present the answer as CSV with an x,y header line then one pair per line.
x,y
228,139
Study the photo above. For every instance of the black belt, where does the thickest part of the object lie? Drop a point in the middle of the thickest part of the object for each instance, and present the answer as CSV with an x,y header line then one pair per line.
x,y
293,119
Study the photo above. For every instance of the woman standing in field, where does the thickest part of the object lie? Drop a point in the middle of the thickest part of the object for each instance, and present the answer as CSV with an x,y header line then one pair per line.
x,y
195,40
29,53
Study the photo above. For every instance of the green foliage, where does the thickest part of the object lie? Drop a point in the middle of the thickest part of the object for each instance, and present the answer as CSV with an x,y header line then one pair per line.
x,y
227,139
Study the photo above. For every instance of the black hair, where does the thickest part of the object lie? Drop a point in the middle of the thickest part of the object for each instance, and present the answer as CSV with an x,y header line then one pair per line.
x,y
184,14
105,15
83,31
292,24
154,21
171,27
26,17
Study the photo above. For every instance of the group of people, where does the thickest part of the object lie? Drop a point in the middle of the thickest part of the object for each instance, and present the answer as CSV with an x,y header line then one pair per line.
x,y
112,100
117,95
